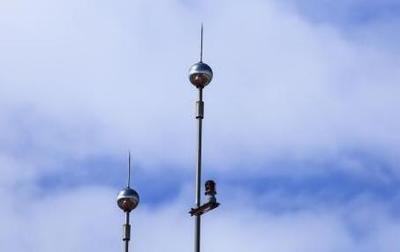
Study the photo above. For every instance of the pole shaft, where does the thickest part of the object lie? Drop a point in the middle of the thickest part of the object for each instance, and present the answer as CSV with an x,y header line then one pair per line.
x,y
126,246
199,117
127,234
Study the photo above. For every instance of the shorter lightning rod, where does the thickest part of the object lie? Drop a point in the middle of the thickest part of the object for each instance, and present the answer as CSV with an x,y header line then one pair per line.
x,y
127,200
200,75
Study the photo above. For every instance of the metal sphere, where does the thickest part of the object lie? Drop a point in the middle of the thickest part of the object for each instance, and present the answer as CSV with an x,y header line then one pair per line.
x,y
128,199
200,74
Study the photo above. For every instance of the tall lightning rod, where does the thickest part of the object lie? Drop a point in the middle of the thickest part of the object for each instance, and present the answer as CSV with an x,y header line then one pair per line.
x,y
127,200
200,75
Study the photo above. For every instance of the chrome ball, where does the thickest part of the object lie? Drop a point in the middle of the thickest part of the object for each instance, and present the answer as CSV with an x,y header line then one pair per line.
x,y
128,199
200,74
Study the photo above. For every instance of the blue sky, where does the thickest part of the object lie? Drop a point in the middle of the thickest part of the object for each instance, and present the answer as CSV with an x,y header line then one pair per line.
x,y
300,132
347,13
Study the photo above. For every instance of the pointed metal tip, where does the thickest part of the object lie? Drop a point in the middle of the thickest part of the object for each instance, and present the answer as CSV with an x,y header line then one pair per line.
x,y
201,43
129,169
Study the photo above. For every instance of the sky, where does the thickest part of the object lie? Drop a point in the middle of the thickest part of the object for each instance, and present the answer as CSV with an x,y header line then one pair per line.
x,y
301,128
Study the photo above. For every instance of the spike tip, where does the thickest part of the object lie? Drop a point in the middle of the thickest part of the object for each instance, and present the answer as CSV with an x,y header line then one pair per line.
x,y
201,43
129,169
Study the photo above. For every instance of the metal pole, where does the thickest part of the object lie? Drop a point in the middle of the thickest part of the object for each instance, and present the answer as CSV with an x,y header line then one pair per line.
x,y
199,117
127,232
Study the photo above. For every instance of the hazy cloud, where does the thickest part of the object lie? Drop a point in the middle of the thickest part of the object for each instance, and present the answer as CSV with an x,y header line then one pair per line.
x,y
82,82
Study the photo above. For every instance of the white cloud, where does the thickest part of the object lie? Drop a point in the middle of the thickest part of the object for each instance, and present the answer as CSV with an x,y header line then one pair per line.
x,y
88,78
87,218
99,77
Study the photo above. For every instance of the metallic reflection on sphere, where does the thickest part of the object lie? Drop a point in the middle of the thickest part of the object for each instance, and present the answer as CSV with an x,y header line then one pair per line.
x,y
128,199
200,74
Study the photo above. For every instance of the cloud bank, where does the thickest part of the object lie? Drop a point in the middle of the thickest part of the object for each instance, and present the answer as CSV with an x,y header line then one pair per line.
x,y
295,101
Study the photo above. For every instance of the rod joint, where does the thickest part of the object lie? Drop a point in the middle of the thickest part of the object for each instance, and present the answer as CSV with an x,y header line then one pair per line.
x,y
199,110
126,232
